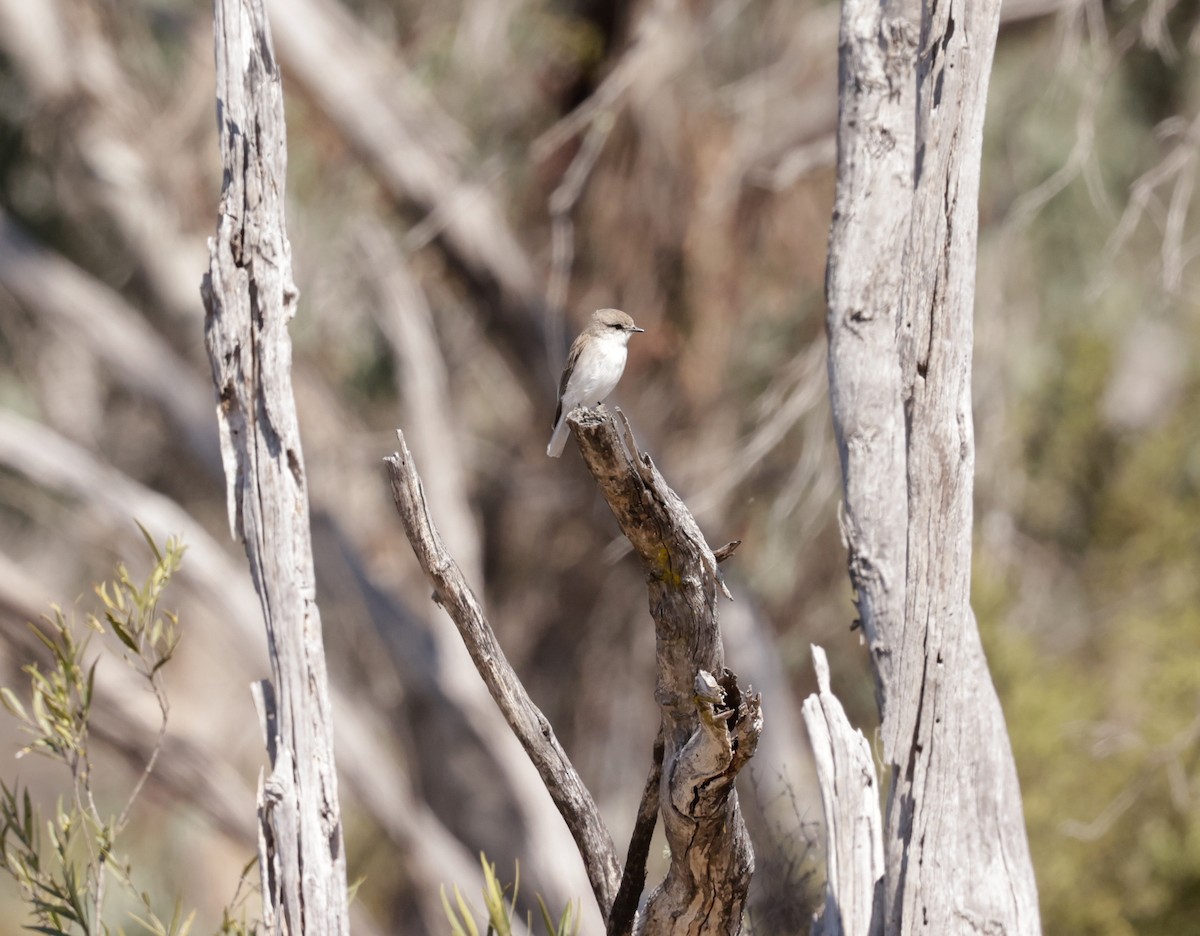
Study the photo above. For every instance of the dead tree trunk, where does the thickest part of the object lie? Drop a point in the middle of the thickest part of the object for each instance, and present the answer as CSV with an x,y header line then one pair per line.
x,y
250,298
710,728
900,283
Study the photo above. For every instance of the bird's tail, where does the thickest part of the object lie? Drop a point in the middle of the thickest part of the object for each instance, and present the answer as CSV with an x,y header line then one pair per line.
x,y
559,439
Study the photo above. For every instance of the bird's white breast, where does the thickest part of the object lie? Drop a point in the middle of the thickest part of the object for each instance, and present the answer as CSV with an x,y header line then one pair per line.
x,y
596,373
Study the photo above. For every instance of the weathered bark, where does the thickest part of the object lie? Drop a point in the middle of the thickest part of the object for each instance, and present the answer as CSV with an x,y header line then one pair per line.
x,y
900,283
528,723
850,797
250,298
710,728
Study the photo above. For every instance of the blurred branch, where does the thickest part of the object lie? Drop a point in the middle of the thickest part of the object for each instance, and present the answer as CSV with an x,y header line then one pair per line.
x,y
562,228
404,317
1162,193
710,727
415,152
531,727
72,71
788,135
649,60
95,317
1175,173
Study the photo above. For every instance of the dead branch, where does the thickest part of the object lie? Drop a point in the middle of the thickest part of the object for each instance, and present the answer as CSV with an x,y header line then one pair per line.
x,y
633,879
531,727
710,727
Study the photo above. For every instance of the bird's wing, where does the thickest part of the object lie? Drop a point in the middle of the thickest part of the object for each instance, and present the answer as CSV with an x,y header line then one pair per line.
x,y
572,360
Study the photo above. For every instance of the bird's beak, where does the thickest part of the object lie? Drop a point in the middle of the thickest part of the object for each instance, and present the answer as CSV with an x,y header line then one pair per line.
x,y
634,328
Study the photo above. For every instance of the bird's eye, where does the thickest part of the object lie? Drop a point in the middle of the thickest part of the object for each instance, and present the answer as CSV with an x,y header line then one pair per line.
x,y
616,325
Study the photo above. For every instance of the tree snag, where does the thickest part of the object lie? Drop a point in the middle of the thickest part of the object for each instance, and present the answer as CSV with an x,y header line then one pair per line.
x,y
250,298
900,288
709,730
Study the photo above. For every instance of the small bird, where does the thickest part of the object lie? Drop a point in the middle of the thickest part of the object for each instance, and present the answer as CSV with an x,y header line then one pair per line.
x,y
594,366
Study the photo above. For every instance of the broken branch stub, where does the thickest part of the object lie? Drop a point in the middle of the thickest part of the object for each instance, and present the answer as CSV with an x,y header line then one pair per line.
x,y
853,825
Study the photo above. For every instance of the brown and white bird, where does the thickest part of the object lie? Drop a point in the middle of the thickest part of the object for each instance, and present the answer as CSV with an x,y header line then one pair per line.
x,y
594,366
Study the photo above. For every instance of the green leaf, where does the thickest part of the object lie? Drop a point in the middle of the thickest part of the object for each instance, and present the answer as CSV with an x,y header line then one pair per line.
x,y
549,923
123,635
158,556
352,890
57,909
29,818
43,636
91,685
456,928
39,714
493,899
13,704
465,910
178,925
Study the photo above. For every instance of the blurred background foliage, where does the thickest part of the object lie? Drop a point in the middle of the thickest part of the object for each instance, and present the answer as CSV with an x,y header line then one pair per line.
x,y
468,180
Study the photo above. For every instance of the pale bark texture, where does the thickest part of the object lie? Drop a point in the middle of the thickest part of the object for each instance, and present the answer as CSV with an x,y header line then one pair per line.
x,y
900,286
526,720
710,727
850,797
250,299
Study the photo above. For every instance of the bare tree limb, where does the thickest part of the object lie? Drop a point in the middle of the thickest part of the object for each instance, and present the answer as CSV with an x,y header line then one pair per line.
x,y
633,879
528,723
250,298
710,728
